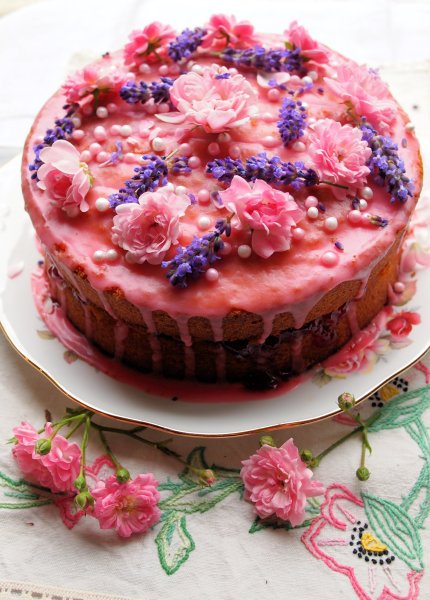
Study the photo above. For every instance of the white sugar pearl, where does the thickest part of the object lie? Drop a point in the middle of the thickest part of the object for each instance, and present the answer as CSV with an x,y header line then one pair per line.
x,y
399,287
213,149
112,107
273,95
194,162
197,69
331,224
311,121
313,75
85,156
111,255
311,201
99,255
244,251
204,222
102,157
169,186
78,134
163,108
298,233
144,68
130,158
234,151
102,112
312,212
125,130
233,71
307,79
102,204
354,217
184,150
329,259
270,141
268,117
410,126
298,147
115,129
181,189
226,249
76,121
158,144
366,193
100,133
224,137
94,148
163,70
362,204
203,196
130,75
212,274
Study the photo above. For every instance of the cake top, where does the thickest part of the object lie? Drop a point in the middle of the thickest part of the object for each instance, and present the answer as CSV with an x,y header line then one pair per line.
x,y
220,169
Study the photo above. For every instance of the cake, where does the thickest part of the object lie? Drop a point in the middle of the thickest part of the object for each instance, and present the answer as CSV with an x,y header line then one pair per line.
x,y
220,204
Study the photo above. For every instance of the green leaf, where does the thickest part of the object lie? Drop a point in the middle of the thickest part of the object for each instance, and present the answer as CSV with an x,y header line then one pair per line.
x,y
402,410
395,528
174,543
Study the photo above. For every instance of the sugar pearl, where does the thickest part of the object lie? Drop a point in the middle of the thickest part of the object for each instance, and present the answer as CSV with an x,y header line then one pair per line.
x,y
129,158
78,134
144,68
312,212
184,150
99,255
410,126
331,224
313,75
212,274
362,204
354,217
102,204
226,249
168,186
233,71
111,255
311,201
270,141
76,121
85,156
112,107
102,112
130,75
102,157
329,259
366,193
197,68
163,70
268,117
194,162
158,144
181,189
244,251
274,95
163,108
307,80
203,196
298,147
115,129
94,148
100,133
204,222
125,130
298,233
399,287
213,149
234,151
224,137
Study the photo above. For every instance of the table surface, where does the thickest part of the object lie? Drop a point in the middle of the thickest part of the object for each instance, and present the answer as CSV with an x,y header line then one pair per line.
x,y
215,548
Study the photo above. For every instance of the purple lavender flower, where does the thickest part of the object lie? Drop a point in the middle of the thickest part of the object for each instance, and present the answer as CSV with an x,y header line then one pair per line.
x,y
385,164
377,220
186,44
159,91
148,178
272,60
293,120
190,262
180,166
115,157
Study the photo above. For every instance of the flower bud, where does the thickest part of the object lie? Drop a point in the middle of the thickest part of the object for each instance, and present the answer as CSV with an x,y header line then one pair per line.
x,y
43,446
122,475
363,473
267,440
80,483
346,401
84,499
207,476
306,456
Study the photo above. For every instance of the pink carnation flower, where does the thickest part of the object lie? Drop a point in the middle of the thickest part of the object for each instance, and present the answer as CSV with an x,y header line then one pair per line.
x,y
223,30
129,507
217,99
91,78
64,177
149,43
56,470
278,482
268,212
367,93
148,229
338,152
299,37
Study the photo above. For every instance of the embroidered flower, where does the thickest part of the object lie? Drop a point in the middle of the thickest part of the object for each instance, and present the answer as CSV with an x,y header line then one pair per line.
x,y
268,212
299,37
400,325
150,43
92,78
146,230
216,99
278,482
338,152
222,30
56,470
342,538
129,507
366,92
64,177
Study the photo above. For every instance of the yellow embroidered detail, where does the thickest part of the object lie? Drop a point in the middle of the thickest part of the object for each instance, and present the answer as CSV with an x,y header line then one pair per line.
x,y
388,392
370,542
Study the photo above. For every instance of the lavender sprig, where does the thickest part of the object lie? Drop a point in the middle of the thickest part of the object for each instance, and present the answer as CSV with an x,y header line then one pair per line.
x,y
148,178
385,164
180,166
115,156
159,91
186,44
272,60
191,261
293,120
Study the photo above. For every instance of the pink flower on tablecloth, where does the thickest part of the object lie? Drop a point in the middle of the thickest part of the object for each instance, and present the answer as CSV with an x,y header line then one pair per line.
x,y
129,507
92,78
400,325
299,37
64,177
278,482
148,229
343,539
367,93
149,44
270,213
56,470
215,98
223,30
338,152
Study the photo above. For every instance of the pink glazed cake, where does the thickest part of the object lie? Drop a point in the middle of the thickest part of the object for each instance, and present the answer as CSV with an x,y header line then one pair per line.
x,y
221,204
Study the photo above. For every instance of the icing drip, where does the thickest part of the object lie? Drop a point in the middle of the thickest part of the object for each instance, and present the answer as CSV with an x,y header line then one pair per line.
x,y
121,334
351,313
296,352
153,339
187,341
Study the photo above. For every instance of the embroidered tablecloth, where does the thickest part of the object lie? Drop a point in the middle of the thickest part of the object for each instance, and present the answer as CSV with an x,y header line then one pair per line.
x,y
364,540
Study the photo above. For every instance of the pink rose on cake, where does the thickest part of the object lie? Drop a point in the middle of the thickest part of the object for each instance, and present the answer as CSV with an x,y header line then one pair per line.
x,y
224,30
64,177
216,98
92,78
366,92
148,229
149,44
338,152
299,37
268,212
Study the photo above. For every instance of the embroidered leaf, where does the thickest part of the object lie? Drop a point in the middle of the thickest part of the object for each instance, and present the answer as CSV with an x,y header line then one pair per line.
x,y
192,498
395,528
174,543
22,494
403,409
45,334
